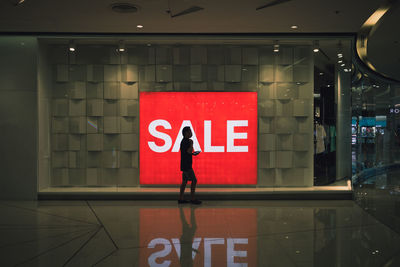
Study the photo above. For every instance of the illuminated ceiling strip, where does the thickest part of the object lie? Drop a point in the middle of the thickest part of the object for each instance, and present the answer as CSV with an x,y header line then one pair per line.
x,y
367,30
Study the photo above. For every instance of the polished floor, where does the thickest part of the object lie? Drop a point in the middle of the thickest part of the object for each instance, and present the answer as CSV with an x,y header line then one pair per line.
x,y
216,233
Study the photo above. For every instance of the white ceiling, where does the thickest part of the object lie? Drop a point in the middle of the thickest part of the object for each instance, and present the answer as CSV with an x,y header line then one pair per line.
x,y
218,16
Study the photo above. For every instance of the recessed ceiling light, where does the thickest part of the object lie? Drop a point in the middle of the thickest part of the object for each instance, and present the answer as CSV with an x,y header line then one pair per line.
x,y
140,26
339,55
340,61
72,46
321,73
342,64
124,8
294,27
316,46
121,46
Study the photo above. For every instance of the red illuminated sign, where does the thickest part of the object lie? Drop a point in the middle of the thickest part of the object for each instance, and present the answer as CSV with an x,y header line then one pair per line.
x,y
188,237
224,126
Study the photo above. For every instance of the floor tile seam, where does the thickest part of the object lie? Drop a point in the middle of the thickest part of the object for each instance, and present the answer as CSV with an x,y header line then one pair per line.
x,y
102,225
82,246
47,237
49,214
383,223
105,257
51,249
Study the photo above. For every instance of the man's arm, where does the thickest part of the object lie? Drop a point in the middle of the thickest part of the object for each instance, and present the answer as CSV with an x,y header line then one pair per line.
x,y
190,149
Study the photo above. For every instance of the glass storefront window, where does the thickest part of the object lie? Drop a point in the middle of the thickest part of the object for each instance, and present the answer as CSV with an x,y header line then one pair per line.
x,y
112,111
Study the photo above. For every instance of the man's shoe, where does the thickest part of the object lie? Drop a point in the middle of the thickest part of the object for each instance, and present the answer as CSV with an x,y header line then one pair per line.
x,y
195,202
182,201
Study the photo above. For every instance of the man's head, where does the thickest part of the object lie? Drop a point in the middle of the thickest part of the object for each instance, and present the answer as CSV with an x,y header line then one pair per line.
x,y
187,132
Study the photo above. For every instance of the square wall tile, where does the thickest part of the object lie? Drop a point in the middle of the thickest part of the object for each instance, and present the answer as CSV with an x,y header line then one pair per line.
x,y
129,125
95,107
266,160
110,159
301,159
95,73
233,56
59,159
306,91
112,73
94,159
215,55
77,107
94,125
284,142
250,55
198,73
112,90
301,142
60,107
266,142
59,177
285,91
94,90
249,73
266,73
285,125
77,177
302,108
164,73
266,108
181,73
284,108
305,124
264,125
284,73
198,55
60,142
284,159
110,107
60,125
128,108
74,142
111,125
129,73
266,177
62,73
129,91
77,73
266,91
92,176
302,73
164,55
77,125
112,142
233,73
128,177
266,55
181,55
129,142
94,142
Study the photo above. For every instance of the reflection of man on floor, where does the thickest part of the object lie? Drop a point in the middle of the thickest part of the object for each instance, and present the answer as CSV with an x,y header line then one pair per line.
x,y
188,232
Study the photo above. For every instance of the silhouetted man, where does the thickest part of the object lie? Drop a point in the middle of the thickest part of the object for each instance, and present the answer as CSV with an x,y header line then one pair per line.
x,y
186,166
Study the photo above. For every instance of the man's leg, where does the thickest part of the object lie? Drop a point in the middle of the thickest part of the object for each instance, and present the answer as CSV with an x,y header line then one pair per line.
x,y
193,189
182,190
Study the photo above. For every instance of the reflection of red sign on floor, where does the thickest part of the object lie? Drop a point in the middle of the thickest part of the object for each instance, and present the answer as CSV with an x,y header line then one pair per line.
x,y
210,237
224,126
